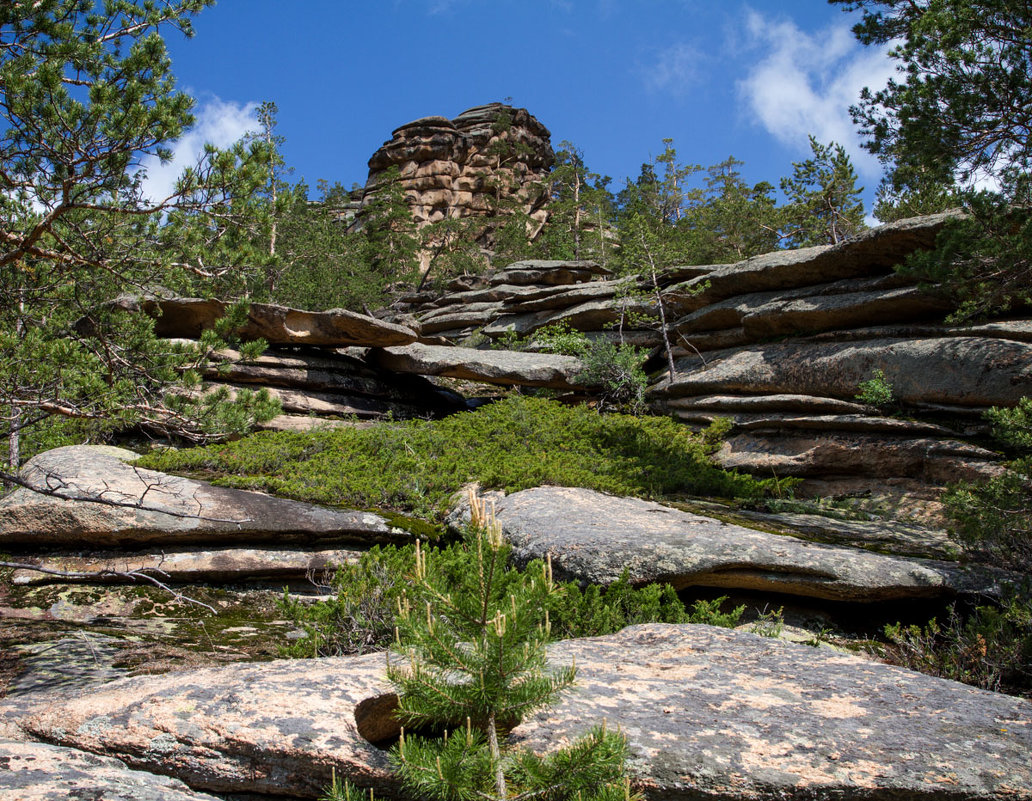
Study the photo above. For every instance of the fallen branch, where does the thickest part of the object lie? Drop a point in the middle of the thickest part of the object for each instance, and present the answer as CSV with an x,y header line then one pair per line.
x,y
130,575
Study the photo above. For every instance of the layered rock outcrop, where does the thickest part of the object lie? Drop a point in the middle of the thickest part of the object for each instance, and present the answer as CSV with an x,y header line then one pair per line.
x,y
86,510
593,538
488,157
780,344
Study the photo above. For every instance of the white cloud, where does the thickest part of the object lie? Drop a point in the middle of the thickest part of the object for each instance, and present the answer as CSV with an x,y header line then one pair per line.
x,y
674,71
218,123
805,83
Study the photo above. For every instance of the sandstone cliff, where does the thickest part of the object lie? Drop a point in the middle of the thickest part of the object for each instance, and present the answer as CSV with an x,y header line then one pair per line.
x,y
488,158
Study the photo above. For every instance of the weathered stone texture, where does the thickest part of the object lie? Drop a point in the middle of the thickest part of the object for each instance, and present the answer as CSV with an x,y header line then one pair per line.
x,y
708,713
39,772
713,713
594,538
157,508
453,168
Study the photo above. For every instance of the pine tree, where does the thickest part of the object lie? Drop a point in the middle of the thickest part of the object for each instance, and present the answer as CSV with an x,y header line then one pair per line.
x,y
824,201
473,665
86,97
734,221
957,117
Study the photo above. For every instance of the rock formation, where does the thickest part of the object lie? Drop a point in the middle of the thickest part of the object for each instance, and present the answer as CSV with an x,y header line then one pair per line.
x,y
89,510
489,157
707,713
594,538
780,344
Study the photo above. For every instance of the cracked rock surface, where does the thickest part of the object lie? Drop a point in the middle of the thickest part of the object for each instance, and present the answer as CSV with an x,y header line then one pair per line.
x,y
708,713
594,537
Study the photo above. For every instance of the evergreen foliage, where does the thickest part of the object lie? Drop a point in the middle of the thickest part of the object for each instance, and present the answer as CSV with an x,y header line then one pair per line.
x,y
958,118
824,205
473,661
580,210
994,518
734,220
963,103
990,645
361,615
876,390
416,466
984,261
86,95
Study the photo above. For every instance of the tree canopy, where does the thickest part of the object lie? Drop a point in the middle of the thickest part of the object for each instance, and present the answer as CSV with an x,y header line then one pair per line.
x,y
86,97
954,129
963,102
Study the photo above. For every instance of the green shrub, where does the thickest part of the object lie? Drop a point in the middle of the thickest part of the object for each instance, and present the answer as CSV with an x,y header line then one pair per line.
x,y
709,612
594,611
876,391
416,466
473,660
617,370
990,647
994,518
361,616
560,338
769,623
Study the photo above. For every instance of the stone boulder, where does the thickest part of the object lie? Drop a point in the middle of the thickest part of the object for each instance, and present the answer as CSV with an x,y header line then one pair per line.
x,y
714,713
593,538
39,772
708,713
964,371
97,497
491,366
278,325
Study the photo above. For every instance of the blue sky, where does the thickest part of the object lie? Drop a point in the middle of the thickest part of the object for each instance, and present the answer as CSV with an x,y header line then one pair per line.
x,y
612,76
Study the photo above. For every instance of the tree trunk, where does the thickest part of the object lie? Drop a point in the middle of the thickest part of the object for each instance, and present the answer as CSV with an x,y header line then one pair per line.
x,y
14,438
496,758
576,213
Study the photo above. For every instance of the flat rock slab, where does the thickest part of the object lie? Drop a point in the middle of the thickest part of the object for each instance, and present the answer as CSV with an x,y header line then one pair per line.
x,y
870,253
967,371
101,501
549,272
490,366
717,714
277,727
709,713
333,372
317,403
39,772
829,453
189,566
189,317
594,537
729,405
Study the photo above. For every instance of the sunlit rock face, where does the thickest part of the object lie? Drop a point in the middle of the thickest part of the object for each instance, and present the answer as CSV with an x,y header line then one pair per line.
x,y
489,158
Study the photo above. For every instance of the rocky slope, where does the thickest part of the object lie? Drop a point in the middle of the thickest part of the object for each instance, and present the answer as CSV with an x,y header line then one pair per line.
x,y
780,344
